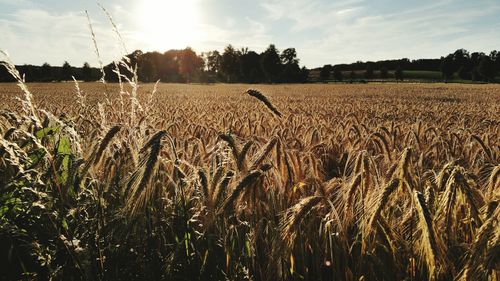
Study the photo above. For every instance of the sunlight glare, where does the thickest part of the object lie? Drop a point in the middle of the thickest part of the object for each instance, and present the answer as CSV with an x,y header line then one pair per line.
x,y
169,24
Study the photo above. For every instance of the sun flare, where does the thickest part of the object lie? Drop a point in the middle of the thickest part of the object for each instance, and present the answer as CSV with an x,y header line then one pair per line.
x,y
168,24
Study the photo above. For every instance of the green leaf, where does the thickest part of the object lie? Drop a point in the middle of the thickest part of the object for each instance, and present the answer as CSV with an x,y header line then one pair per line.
x,y
65,169
187,237
64,224
3,210
64,150
45,132
36,156
64,146
247,246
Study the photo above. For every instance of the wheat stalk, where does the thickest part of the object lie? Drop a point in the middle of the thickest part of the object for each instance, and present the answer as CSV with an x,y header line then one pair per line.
x,y
258,95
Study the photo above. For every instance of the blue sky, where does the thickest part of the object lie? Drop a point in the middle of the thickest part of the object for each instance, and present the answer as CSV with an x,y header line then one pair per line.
x,y
37,31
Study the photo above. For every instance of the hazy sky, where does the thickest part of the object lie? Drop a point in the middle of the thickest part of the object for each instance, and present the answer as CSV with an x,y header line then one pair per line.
x,y
37,31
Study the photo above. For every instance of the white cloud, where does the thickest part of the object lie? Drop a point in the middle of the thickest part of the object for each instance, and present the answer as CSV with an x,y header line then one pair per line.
x,y
308,14
37,36
352,30
322,31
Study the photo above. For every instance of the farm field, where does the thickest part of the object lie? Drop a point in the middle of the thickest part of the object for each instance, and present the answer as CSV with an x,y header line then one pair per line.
x,y
214,182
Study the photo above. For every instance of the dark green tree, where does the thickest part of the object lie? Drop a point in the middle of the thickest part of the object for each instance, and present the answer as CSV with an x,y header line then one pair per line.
x,y
461,57
398,74
289,56
337,74
250,70
4,74
66,72
291,73
271,64
291,70
230,64
46,73
447,67
325,72
147,69
495,56
213,61
369,72
86,72
463,73
352,75
304,75
475,75
384,73
475,58
486,68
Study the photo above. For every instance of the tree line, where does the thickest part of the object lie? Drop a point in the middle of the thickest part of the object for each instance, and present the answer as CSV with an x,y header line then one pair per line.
x,y
184,66
48,73
270,66
231,66
462,65
475,66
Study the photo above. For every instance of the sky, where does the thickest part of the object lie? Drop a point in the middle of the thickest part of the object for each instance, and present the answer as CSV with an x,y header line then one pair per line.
x,y
322,31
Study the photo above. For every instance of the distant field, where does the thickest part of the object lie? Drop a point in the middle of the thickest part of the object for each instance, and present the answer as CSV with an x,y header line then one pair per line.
x,y
408,75
210,182
64,93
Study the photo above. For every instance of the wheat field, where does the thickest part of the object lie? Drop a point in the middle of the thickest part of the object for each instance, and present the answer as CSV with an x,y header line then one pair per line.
x,y
218,182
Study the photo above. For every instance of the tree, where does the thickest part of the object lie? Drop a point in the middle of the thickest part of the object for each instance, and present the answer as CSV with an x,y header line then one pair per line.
x,y
86,72
147,69
230,64
461,57
486,68
132,59
291,71
250,67
213,61
324,74
4,74
384,73
304,74
398,74
189,64
289,56
369,72
476,76
463,73
66,72
168,70
337,74
495,56
447,67
475,58
352,75
46,73
271,64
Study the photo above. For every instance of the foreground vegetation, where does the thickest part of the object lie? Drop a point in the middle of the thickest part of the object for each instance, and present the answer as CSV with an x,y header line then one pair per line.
x,y
304,182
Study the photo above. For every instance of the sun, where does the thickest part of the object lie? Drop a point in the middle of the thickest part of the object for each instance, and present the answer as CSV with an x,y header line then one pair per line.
x,y
169,24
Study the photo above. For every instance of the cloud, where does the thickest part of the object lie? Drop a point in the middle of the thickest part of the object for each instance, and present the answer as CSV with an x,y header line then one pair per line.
x,y
37,36
322,31
243,32
311,14
348,31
